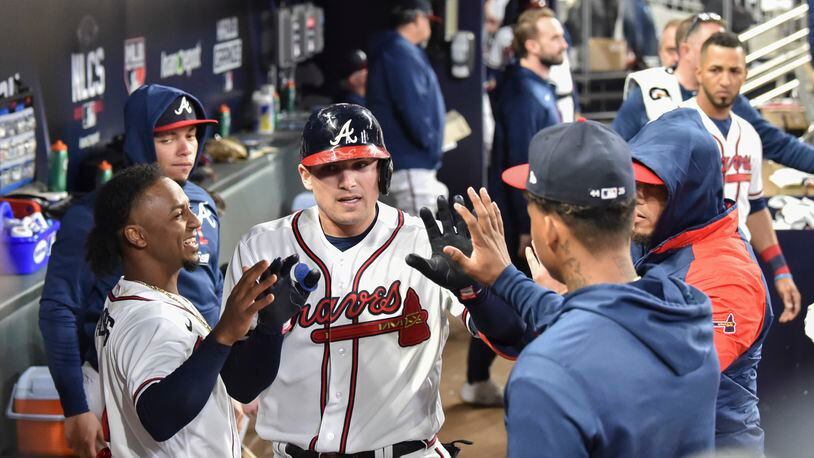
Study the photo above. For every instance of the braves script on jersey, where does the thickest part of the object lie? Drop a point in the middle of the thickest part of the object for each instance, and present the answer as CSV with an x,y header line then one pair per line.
x,y
143,336
742,161
360,369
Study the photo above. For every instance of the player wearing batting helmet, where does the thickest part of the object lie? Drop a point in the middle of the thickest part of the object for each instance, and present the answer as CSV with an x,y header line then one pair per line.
x,y
360,367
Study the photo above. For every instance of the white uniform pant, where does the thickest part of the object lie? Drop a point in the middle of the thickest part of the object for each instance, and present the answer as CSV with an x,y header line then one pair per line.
x,y
416,188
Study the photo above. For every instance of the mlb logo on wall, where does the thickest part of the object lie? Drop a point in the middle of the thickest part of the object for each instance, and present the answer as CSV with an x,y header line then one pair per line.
x,y
135,63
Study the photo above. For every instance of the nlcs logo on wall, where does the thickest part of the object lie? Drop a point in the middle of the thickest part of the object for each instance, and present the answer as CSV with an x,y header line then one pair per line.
x,y
135,63
88,80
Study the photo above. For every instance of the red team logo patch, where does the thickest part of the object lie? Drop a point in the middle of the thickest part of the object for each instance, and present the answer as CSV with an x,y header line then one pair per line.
x,y
728,325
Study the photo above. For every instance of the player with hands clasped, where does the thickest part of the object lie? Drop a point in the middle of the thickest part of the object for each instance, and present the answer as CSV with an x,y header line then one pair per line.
x,y
361,363
648,334
159,361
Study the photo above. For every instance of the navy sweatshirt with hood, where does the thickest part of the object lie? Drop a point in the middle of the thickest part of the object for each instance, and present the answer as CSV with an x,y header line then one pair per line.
x,y
697,239
73,297
404,95
621,370
524,105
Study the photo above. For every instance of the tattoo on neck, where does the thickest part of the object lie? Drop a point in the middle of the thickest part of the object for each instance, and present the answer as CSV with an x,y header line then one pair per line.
x,y
572,271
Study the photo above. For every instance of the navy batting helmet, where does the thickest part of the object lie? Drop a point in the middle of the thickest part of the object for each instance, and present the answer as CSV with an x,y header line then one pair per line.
x,y
345,131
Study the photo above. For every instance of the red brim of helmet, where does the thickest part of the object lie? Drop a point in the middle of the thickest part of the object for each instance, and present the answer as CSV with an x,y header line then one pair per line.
x,y
185,123
645,175
516,176
345,153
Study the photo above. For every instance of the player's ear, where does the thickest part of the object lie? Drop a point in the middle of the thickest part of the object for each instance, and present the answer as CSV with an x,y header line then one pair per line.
x,y
134,235
305,176
552,230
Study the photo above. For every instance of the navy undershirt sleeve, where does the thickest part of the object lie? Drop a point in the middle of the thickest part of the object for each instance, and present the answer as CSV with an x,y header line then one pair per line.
x,y
494,318
168,406
252,364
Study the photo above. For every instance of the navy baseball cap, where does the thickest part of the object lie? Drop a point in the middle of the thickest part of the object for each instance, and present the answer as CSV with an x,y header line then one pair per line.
x,y
181,113
580,163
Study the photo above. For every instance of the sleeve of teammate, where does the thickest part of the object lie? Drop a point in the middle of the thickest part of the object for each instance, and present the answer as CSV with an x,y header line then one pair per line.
x,y
67,283
166,402
736,324
777,145
524,122
404,88
631,116
244,378
764,239
493,317
568,423
489,264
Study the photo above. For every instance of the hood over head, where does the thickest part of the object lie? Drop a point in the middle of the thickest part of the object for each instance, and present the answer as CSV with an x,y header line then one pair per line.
x,y
143,109
668,316
681,152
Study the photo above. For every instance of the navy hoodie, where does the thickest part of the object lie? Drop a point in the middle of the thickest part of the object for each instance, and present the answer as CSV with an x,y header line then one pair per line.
x,y
524,105
404,95
73,297
624,370
697,239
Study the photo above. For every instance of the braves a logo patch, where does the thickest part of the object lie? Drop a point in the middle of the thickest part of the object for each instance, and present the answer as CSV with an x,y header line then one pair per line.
x,y
728,325
410,324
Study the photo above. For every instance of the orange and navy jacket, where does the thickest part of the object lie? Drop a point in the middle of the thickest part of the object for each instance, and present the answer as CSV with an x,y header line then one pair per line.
x,y
697,239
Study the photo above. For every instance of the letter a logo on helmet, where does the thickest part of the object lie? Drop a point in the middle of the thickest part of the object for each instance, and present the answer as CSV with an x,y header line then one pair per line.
x,y
346,132
324,141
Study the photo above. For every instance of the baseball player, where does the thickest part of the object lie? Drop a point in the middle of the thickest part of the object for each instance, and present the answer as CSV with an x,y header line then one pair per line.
x,y
610,371
655,91
360,368
159,363
721,73
162,125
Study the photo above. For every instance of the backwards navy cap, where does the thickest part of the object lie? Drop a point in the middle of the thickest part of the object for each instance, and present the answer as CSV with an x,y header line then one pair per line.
x,y
581,163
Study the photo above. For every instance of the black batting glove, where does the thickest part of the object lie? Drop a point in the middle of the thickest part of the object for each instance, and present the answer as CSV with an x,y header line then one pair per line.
x,y
290,294
440,268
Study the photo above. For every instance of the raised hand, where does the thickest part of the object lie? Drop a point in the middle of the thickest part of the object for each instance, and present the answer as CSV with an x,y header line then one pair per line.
x,y
439,267
540,274
291,293
489,256
243,304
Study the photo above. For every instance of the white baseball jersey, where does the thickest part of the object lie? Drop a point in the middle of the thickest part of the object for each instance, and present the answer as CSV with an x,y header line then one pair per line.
x,y
360,369
142,336
742,161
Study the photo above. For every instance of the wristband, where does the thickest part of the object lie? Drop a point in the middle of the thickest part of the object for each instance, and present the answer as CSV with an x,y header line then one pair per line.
x,y
781,276
470,292
773,256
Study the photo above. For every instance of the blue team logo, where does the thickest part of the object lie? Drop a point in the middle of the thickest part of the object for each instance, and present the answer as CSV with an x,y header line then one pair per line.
x,y
728,325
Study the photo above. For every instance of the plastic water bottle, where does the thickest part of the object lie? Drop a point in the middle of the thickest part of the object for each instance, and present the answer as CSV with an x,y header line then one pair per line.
x,y
264,106
104,173
225,121
58,167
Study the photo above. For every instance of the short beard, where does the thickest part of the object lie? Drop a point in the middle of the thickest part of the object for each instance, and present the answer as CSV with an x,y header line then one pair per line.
x,y
640,238
552,61
716,102
190,265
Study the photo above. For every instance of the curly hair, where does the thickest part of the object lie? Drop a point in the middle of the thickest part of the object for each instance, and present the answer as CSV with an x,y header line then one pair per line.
x,y
115,201
595,227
